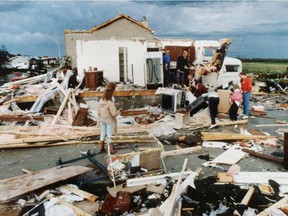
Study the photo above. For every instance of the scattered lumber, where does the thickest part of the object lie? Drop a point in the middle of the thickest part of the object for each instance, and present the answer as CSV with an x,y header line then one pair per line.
x,y
263,156
81,193
229,122
77,211
261,178
14,187
159,179
230,156
277,205
21,118
80,117
246,199
62,107
255,131
47,144
181,151
131,112
172,198
230,136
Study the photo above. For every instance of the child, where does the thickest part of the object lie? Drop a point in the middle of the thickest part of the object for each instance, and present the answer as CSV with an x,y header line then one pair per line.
x,y
235,100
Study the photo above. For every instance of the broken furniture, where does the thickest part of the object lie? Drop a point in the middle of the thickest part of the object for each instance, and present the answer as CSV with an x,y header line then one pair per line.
x,y
93,79
130,156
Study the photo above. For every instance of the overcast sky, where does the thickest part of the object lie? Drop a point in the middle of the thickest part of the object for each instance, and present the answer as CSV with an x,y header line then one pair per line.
x,y
258,29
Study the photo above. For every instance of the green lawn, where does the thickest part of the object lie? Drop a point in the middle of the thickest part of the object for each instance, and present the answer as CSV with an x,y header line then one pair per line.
x,y
265,67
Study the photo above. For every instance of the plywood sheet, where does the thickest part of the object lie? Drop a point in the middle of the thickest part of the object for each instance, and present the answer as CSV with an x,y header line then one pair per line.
x,y
16,186
230,156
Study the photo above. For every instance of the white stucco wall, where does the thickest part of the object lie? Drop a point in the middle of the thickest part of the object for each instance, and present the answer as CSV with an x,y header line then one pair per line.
x,y
104,54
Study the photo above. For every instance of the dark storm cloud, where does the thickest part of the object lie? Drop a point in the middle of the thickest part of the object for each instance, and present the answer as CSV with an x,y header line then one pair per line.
x,y
28,25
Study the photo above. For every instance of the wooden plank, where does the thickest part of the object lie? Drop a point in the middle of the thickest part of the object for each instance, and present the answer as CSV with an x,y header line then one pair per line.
x,y
14,187
81,193
230,156
173,195
264,156
159,179
80,117
261,178
61,107
127,93
45,144
21,118
230,136
131,112
255,131
246,199
229,122
277,205
181,151
77,211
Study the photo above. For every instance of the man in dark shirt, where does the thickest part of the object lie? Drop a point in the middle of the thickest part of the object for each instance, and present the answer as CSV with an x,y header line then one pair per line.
x,y
182,61
72,83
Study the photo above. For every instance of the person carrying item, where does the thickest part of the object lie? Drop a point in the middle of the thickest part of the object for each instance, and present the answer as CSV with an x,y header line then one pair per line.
x,y
213,102
236,99
199,88
182,61
246,87
107,111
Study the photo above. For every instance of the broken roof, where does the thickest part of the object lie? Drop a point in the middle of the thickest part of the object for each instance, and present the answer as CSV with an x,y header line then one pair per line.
x,y
108,22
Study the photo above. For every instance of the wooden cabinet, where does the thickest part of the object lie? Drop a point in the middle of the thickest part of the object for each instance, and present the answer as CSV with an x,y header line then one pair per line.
x,y
93,79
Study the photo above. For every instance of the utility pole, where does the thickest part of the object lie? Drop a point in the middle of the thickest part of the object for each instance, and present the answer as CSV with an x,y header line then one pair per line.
x,y
59,54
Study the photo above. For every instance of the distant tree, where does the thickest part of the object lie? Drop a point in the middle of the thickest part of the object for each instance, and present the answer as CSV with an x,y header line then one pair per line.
x,y
4,54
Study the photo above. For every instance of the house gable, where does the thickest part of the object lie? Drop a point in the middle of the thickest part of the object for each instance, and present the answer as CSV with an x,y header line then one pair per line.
x,y
120,17
121,27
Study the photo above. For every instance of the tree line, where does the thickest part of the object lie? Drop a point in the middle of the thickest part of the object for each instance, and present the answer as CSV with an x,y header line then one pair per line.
x,y
263,60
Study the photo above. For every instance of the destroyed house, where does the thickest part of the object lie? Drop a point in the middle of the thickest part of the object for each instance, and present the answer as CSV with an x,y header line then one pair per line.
x,y
118,47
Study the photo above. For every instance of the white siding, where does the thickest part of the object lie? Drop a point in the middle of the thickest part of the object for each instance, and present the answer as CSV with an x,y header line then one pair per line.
x,y
104,54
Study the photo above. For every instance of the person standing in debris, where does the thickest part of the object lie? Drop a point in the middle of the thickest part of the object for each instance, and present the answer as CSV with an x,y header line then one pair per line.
x,y
107,112
213,101
166,67
112,86
199,88
246,87
182,61
72,83
235,100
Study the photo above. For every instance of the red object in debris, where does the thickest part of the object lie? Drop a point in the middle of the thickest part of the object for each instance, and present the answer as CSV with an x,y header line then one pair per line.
x,y
15,86
246,145
109,202
123,201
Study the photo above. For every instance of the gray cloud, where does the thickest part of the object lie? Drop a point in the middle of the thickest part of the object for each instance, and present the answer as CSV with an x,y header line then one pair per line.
x,y
257,28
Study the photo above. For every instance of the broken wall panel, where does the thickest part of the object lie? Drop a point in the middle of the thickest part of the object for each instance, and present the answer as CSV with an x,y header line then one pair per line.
x,y
16,186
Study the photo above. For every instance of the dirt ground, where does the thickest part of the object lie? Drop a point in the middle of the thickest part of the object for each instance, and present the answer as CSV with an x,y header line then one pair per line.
x,y
13,161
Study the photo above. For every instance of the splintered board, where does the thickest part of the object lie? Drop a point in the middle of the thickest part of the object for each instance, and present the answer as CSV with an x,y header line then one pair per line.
x,y
19,185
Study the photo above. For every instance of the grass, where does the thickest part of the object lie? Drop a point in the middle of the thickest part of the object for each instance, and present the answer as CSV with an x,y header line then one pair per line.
x,y
268,67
